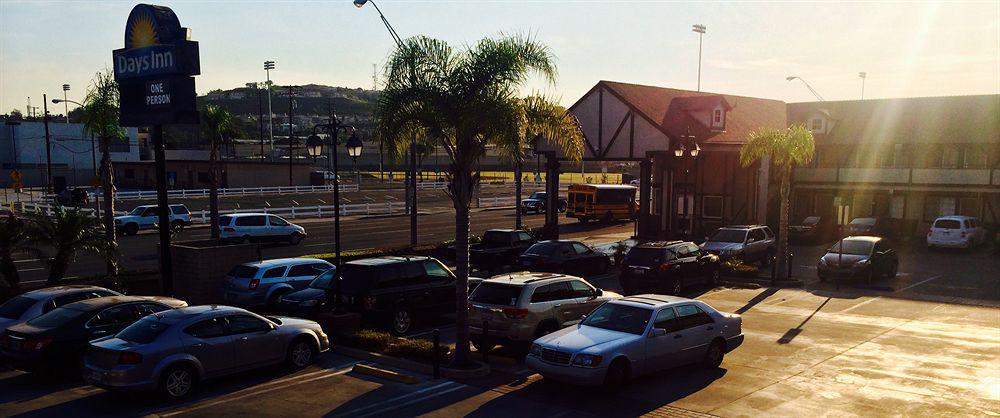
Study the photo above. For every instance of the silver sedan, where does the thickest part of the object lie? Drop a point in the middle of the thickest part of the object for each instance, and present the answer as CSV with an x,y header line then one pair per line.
x,y
173,351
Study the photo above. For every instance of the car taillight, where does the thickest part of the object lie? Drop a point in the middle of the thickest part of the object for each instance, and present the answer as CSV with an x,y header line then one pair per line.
x,y
128,357
227,229
254,283
368,303
515,313
37,344
665,267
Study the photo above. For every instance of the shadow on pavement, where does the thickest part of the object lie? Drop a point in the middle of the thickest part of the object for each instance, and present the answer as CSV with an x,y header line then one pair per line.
x,y
794,332
757,299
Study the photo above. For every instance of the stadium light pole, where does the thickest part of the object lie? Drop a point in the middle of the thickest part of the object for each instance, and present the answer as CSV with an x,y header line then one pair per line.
x,y
863,76
700,30
268,66
65,104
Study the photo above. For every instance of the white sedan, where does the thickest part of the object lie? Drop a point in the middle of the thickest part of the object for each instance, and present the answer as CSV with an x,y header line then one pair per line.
x,y
633,336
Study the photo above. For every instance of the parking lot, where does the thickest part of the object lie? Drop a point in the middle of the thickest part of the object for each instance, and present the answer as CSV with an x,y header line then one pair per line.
x,y
926,343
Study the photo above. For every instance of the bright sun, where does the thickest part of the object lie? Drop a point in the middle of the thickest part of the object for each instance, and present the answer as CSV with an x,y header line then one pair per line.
x,y
142,33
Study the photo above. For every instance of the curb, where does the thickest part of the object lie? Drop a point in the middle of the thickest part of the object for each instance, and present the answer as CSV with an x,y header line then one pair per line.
x,y
393,215
758,282
385,374
482,371
493,208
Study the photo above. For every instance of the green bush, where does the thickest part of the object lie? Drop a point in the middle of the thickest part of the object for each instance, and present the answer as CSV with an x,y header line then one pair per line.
x,y
736,267
385,343
368,340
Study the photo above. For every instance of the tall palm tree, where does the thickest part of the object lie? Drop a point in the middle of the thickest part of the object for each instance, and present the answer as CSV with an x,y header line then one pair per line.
x,y
467,100
218,122
786,149
12,238
100,118
68,232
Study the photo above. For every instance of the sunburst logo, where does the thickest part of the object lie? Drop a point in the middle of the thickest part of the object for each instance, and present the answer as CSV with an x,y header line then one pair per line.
x,y
142,33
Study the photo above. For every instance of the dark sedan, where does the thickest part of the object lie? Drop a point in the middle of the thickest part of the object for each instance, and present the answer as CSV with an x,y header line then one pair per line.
x,y
863,257
563,256
867,226
812,229
667,267
58,339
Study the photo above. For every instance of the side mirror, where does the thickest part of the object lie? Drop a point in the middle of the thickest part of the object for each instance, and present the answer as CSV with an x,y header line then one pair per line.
x,y
583,317
657,332
598,291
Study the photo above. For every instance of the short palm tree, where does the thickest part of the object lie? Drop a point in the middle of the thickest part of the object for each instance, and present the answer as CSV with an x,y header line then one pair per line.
x,y
467,99
100,118
12,238
68,232
219,123
786,149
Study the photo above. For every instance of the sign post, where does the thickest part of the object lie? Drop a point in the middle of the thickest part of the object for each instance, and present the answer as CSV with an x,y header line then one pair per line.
x,y
155,79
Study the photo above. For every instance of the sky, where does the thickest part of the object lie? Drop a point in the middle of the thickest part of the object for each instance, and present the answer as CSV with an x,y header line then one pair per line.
x,y
907,48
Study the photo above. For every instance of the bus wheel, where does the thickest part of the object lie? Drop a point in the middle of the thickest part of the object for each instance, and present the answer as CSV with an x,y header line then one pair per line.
x,y
608,217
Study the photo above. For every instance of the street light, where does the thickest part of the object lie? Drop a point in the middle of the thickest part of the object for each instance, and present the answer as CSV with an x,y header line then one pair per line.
x,y
314,146
700,29
65,105
863,76
792,77
354,151
687,140
268,66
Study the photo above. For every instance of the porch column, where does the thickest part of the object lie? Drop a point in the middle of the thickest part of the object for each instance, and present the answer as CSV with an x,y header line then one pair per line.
x,y
551,196
643,219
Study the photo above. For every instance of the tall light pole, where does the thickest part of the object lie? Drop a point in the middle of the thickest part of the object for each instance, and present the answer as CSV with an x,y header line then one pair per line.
x,y
687,140
863,76
291,107
268,66
814,92
65,104
412,185
48,145
700,29
93,145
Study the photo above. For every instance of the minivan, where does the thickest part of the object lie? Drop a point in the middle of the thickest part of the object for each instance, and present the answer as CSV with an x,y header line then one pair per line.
x,y
261,283
259,227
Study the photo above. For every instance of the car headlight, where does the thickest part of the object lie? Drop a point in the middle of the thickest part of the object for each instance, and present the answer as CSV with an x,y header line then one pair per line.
x,y
822,262
861,263
309,303
587,360
536,350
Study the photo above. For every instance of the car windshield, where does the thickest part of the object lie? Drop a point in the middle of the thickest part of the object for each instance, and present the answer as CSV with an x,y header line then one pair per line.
x,y
143,331
496,294
352,279
863,221
648,256
542,249
853,247
137,211
243,272
496,237
16,307
729,235
621,318
947,224
810,220
537,195
56,317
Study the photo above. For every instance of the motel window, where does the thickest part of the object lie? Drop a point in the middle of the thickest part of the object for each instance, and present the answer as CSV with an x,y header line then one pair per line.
x,y
711,207
816,124
949,156
717,118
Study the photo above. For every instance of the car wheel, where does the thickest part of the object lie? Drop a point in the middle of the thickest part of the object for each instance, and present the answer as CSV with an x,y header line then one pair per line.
x,y
246,239
894,270
402,320
482,345
583,220
871,275
713,358
300,353
275,297
766,259
602,267
131,229
676,286
562,207
716,275
617,374
177,225
822,278
608,217
178,382
295,238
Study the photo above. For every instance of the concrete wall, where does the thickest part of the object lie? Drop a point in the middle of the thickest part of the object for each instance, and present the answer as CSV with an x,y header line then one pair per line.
x,y
200,266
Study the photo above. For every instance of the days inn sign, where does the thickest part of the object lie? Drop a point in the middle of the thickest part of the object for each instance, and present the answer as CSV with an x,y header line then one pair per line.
x,y
154,70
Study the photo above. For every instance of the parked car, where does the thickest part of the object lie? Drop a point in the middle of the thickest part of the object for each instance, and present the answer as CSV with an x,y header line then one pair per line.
x,y
874,227
956,232
536,203
259,227
58,339
260,284
148,216
667,266
749,243
634,336
175,351
812,229
394,290
564,256
862,257
37,302
74,197
499,248
520,307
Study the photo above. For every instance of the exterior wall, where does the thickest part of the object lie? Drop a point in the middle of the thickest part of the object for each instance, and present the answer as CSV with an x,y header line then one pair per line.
x,y
194,174
602,115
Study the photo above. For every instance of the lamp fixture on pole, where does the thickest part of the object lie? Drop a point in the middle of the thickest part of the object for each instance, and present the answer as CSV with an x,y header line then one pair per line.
x,y
863,76
814,92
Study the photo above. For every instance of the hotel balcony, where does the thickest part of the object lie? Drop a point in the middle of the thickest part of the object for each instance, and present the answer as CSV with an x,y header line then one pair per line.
x,y
910,176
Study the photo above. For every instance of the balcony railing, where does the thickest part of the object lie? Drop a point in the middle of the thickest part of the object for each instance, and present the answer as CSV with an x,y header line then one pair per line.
x,y
924,176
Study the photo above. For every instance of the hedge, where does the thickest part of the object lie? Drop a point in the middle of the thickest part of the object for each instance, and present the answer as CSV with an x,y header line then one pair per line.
x,y
385,343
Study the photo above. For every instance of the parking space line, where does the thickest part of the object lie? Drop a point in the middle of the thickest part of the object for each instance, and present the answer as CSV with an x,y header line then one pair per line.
x,y
896,291
368,408
394,404
918,283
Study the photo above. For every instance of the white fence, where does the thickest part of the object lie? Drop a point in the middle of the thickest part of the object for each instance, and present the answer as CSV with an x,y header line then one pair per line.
x,y
432,185
44,207
324,211
496,201
235,191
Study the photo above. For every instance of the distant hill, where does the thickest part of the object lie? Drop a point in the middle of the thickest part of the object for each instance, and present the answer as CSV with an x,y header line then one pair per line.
x,y
310,100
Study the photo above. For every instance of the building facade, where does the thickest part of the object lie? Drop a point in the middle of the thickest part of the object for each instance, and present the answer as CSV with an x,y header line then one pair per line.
x,y
193,174
907,161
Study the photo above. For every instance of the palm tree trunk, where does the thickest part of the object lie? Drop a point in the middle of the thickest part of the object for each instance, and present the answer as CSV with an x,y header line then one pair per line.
x,y
213,191
9,269
107,185
517,194
461,188
781,263
58,267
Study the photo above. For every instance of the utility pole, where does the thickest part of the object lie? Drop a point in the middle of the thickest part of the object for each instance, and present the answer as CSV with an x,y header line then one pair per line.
x,y
700,29
48,144
863,76
268,66
291,153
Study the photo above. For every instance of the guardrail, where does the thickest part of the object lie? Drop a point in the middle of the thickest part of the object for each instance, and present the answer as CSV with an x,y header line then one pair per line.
x,y
496,201
233,191
323,211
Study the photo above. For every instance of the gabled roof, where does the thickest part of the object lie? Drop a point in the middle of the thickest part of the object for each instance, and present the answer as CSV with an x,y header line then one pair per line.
x,y
669,110
973,119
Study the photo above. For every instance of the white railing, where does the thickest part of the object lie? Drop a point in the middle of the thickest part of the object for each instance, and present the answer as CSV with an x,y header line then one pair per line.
x,y
46,208
431,185
496,201
323,211
233,191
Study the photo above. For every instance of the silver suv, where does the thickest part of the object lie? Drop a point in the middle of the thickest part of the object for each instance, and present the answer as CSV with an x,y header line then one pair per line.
x,y
746,242
520,307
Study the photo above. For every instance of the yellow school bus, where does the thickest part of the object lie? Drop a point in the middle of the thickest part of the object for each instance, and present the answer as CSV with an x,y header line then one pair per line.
x,y
601,201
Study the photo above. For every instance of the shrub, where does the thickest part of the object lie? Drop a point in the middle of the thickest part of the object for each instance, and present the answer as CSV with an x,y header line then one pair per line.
x,y
416,350
368,340
736,267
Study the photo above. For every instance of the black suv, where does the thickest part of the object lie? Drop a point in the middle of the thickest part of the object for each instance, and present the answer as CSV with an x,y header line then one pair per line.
x,y
667,266
387,290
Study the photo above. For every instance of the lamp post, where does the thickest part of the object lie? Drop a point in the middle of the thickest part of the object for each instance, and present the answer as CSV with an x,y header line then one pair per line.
x,y
314,145
291,144
792,77
268,66
863,76
48,145
687,143
412,185
65,104
700,30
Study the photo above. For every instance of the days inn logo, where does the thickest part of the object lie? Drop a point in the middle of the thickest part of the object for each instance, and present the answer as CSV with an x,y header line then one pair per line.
x,y
151,34
141,32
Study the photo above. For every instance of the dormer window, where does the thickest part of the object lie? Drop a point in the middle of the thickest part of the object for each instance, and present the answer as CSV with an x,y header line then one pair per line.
x,y
816,125
718,119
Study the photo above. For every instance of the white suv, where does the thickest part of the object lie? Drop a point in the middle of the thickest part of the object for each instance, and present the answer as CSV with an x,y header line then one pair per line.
x,y
146,217
259,227
956,232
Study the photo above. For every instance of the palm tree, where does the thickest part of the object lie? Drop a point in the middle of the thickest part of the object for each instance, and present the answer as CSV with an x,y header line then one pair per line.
x,y
67,232
218,122
467,100
786,149
12,238
100,118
